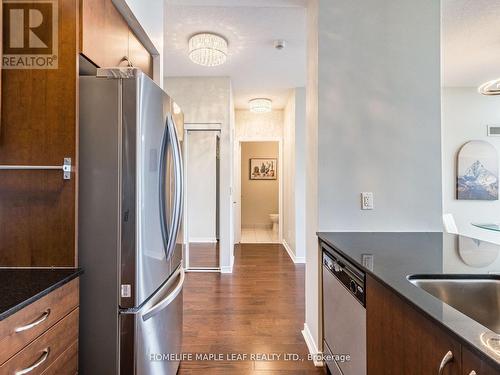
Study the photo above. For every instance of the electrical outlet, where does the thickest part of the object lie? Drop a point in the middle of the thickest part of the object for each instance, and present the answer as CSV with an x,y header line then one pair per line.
x,y
367,201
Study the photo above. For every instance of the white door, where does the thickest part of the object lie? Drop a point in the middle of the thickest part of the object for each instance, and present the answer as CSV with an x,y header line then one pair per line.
x,y
237,194
202,206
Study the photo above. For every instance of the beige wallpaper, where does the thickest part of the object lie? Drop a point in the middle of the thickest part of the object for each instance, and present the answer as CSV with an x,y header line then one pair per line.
x,y
259,198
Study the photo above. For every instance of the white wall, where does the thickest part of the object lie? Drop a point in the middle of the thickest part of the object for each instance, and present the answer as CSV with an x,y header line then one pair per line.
x,y
294,174
465,117
150,15
379,115
312,325
289,174
300,173
251,125
209,100
201,186
378,125
232,130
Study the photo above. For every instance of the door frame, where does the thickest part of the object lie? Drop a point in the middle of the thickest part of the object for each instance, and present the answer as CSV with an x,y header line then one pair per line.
x,y
237,182
188,127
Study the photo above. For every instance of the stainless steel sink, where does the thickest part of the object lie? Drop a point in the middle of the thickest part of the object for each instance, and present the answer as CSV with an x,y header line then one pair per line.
x,y
477,296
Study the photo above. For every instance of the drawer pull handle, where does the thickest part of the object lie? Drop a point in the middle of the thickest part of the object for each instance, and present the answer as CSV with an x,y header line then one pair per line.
x,y
38,362
448,358
36,322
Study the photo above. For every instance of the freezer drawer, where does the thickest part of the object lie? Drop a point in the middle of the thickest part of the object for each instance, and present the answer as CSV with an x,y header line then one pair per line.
x,y
156,330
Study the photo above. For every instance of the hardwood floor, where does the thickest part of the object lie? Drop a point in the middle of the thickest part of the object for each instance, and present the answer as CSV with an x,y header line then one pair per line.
x,y
204,254
257,309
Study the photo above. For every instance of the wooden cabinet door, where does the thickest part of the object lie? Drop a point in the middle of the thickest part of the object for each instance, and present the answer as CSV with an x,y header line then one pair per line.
x,y
104,33
39,127
139,55
472,364
401,340
106,38
1,61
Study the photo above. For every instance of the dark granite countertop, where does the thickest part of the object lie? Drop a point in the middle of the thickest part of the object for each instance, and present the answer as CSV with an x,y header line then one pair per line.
x,y
20,287
398,255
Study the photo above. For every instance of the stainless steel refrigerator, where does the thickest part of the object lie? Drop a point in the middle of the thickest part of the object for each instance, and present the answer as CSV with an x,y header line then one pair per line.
x,y
130,224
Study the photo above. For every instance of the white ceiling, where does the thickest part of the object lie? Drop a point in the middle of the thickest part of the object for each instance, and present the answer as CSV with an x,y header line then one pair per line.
x,y
471,42
256,68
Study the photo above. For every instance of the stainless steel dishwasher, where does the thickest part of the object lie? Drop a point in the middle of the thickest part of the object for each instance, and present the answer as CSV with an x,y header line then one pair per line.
x,y
344,315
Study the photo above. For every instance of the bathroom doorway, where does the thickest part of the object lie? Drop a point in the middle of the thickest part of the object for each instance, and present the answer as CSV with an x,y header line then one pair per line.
x,y
259,191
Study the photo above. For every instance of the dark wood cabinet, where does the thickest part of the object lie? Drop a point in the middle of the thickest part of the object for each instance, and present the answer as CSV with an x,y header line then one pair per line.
x,y
103,33
139,55
473,364
107,40
39,127
401,340
52,342
1,60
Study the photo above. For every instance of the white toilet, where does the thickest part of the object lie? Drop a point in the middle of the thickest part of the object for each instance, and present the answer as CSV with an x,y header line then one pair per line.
x,y
275,220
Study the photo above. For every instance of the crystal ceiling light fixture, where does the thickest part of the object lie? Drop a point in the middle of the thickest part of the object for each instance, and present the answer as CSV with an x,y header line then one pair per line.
x,y
260,105
208,49
490,87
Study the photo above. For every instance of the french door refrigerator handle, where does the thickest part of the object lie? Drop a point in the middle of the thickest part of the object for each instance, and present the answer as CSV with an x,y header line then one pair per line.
x,y
168,299
162,188
179,187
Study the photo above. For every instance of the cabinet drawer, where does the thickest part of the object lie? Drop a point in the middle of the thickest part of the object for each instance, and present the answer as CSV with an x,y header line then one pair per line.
x,y
20,329
66,364
42,353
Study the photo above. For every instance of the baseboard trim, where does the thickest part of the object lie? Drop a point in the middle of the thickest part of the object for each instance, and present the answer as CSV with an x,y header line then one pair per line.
x,y
297,260
311,346
203,240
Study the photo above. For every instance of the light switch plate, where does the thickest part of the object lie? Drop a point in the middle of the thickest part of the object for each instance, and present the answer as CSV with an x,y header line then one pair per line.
x,y
367,201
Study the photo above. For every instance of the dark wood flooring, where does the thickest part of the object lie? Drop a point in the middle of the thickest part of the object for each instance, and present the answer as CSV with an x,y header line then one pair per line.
x,y
257,309
204,255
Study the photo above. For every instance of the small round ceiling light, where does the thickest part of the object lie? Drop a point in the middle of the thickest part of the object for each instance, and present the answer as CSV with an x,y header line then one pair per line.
x,y
208,49
261,105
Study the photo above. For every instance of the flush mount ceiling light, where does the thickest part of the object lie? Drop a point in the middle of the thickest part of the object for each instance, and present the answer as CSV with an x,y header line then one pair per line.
x,y
490,88
260,105
208,49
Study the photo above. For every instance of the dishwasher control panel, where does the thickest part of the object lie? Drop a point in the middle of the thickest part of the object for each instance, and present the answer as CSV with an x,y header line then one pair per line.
x,y
349,275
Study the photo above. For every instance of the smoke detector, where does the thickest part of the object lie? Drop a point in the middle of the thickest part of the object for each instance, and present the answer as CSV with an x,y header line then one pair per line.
x,y
279,44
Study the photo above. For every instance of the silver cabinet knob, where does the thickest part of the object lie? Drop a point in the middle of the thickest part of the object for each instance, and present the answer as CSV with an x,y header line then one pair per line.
x,y
472,373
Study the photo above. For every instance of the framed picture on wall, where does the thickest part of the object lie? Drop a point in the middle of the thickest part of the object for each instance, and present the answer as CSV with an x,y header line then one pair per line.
x,y
263,169
477,174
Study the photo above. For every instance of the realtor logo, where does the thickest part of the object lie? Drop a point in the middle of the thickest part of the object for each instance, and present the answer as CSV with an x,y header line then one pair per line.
x,y
30,34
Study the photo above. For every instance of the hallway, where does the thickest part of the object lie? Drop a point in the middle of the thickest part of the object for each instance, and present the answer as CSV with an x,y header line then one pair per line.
x,y
257,309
